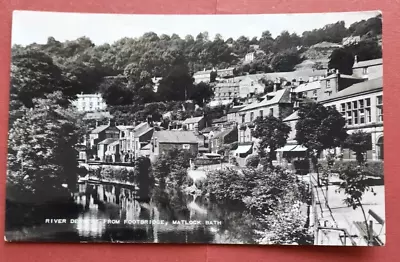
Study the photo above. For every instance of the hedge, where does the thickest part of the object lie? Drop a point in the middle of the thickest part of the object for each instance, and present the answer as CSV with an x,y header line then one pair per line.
x,y
374,167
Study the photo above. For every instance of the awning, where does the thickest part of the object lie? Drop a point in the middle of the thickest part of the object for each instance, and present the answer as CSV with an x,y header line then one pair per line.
x,y
243,149
286,148
292,148
299,148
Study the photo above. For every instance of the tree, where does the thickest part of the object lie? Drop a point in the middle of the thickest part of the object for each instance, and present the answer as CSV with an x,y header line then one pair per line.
x,y
272,133
33,75
285,61
115,91
342,59
42,156
319,128
176,86
142,174
359,142
202,93
354,186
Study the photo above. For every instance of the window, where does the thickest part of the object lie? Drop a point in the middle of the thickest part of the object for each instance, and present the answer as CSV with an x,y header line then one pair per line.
x,y
328,84
251,116
357,112
261,113
365,70
242,137
252,83
379,108
271,111
243,118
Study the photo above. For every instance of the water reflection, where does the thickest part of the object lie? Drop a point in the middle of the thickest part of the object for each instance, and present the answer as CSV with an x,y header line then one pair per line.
x,y
115,213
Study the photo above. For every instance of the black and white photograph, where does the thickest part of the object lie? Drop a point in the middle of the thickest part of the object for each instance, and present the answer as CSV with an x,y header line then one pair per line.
x,y
261,129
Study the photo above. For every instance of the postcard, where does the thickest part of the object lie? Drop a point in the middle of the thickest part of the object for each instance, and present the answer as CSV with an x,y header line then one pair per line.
x,y
217,129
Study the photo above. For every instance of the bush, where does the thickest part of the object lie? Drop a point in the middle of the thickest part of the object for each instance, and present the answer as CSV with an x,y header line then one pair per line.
x,y
374,168
302,166
252,161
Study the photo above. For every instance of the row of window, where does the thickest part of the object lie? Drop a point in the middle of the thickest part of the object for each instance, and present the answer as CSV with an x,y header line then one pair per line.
x,y
358,112
260,114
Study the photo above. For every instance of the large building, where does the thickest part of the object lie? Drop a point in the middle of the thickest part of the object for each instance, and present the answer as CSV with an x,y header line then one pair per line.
x,y
226,90
280,106
369,69
89,103
362,106
163,141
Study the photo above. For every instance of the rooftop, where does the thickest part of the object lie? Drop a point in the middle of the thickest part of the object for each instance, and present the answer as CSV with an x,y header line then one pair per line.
x,y
307,86
192,120
291,117
359,88
108,141
368,63
179,137
281,96
235,109
99,129
220,120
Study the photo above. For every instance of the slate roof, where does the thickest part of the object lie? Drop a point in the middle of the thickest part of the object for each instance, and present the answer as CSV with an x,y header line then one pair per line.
x,y
108,141
192,120
307,87
223,133
99,129
178,137
235,109
368,63
220,120
359,88
291,117
281,96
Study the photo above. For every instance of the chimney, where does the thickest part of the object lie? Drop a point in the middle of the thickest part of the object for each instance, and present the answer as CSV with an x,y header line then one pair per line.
x,y
337,71
97,123
355,59
111,122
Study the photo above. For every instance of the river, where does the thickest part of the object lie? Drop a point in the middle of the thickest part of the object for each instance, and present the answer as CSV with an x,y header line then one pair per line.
x,y
113,213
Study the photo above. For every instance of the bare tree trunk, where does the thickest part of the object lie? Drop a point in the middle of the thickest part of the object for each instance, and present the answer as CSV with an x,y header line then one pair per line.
x,y
366,222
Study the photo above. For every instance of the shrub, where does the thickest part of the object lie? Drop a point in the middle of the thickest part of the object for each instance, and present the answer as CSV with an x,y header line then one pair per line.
x,y
252,161
301,166
374,168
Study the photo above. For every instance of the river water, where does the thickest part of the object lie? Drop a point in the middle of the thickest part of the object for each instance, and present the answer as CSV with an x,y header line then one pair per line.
x,y
113,213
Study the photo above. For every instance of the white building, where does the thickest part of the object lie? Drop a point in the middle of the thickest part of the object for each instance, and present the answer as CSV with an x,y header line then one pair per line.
x,y
89,103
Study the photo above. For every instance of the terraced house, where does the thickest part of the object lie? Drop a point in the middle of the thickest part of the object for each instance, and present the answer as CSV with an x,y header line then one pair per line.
x,y
280,106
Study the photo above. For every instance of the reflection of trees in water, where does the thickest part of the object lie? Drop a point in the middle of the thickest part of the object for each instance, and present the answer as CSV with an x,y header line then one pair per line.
x,y
171,203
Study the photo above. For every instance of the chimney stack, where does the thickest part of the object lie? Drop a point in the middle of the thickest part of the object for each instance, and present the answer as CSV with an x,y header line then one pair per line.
x,y
355,59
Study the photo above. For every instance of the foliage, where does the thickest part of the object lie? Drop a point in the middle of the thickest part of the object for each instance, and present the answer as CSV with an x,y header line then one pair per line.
x,y
227,186
116,173
268,195
42,155
34,74
333,33
170,169
272,133
252,161
359,142
202,94
343,58
287,228
374,168
143,176
354,186
115,91
285,61
319,128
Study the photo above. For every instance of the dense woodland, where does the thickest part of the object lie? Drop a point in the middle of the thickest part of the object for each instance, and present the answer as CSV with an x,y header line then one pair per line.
x,y
122,71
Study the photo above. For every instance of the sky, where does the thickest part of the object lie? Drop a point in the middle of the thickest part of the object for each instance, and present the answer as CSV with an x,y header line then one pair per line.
x,y
35,27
